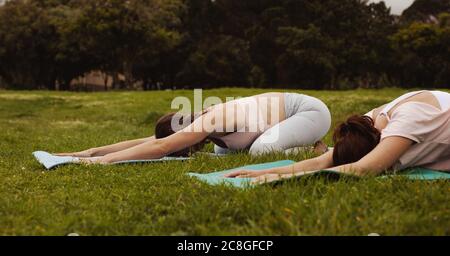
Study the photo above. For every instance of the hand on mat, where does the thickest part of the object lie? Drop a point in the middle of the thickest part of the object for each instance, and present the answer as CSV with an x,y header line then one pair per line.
x,y
85,153
244,174
320,147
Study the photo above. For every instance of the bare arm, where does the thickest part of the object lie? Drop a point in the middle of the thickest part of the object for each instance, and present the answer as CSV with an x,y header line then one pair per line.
x,y
104,150
381,158
157,148
217,119
318,163
101,151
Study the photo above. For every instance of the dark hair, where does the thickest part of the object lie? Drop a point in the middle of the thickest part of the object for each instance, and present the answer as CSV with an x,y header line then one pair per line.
x,y
353,139
164,129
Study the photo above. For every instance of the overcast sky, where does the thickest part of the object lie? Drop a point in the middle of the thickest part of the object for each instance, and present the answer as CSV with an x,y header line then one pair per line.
x,y
397,6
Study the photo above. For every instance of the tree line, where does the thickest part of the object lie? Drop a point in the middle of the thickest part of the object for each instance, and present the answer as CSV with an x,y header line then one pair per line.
x,y
161,44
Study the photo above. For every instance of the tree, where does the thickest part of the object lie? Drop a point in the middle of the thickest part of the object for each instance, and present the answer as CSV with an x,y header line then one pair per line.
x,y
423,52
221,60
26,43
209,43
71,59
307,53
122,33
423,10
39,46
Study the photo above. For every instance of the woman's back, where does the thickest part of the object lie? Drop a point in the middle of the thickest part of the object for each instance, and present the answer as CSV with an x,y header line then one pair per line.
x,y
264,109
437,99
424,118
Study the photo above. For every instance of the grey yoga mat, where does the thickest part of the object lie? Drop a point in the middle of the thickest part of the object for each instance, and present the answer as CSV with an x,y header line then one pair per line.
x,y
50,161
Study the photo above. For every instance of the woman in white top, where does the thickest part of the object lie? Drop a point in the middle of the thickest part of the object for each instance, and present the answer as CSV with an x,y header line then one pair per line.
x,y
413,130
261,123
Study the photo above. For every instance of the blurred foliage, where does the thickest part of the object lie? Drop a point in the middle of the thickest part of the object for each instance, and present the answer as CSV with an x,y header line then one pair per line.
x,y
161,44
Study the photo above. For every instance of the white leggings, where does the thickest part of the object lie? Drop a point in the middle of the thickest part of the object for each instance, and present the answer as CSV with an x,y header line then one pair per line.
x,y
308,120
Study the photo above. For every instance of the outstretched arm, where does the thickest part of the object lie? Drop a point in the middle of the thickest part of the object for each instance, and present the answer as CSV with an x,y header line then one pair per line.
x,y
209,122
157,148
318,163
383,157
104,150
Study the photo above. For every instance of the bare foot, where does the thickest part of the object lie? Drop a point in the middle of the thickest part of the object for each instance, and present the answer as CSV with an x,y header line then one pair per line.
x,y
320,147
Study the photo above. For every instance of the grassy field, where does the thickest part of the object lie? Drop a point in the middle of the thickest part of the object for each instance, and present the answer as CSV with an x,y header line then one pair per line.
x,y
159,199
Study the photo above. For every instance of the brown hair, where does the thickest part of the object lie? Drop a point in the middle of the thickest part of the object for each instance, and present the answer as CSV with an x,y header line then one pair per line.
x,y
164,129
353,139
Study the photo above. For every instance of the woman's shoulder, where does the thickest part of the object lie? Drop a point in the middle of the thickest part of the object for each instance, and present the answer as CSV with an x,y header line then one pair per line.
x,y
416,119
416,109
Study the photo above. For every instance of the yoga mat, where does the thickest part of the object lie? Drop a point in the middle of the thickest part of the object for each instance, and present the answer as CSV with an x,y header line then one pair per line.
x,y
50,161
420,173
216,178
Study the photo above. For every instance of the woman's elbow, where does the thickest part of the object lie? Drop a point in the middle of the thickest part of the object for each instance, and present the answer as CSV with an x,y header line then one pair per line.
x,y
161,148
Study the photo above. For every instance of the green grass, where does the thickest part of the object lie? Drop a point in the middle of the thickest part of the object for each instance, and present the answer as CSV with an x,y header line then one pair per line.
x,y
159,199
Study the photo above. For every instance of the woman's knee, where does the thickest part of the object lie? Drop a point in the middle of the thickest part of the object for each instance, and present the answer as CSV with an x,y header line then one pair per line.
x,y
316,125
323,120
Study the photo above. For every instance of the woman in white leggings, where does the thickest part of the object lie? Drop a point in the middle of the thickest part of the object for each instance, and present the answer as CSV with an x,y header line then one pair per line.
x,y
261,123
306,120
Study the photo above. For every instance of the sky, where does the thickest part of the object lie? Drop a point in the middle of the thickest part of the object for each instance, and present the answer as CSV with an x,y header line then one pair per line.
x,y
397,6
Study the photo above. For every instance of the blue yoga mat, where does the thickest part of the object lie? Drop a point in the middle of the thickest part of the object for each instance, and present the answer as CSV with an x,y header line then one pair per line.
x,y
217,178
50,161
419,173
